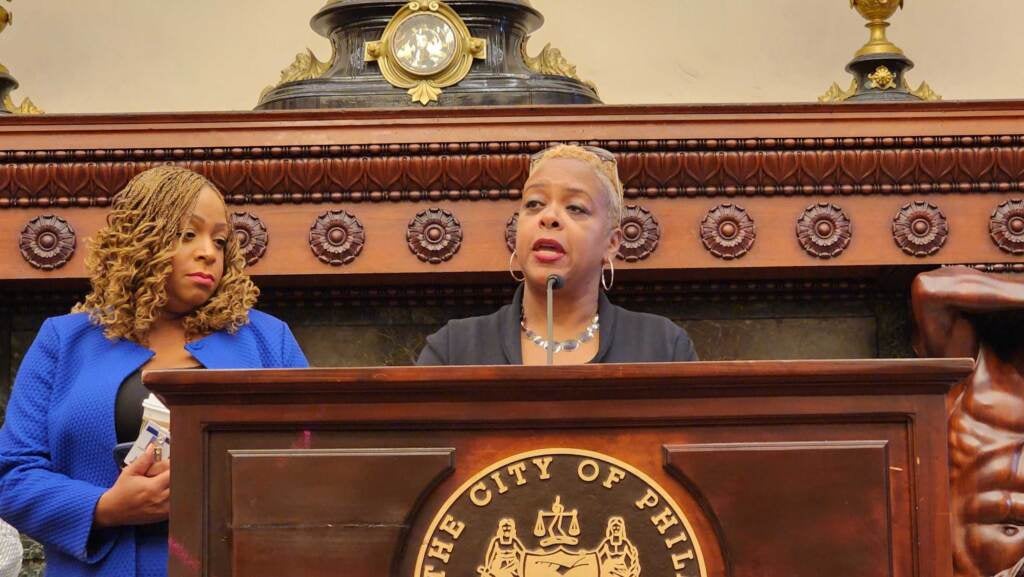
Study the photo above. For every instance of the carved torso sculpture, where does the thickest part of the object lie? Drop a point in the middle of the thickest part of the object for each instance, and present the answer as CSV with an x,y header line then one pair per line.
x,y
962,312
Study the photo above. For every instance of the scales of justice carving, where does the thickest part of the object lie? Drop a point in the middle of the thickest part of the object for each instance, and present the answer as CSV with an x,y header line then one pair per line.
x,y
558,530
560,512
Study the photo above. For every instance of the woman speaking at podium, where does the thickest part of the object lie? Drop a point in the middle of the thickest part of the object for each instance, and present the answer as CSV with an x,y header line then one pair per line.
x,y
168,291
567,237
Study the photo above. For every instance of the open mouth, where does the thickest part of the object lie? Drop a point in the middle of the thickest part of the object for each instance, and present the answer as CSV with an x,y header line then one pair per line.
x,y
548,250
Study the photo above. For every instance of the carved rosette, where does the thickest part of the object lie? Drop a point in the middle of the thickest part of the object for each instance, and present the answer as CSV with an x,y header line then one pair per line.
x,y
824,230
252,236
47,242
337,237
640,234
920,228
511,229
1007,226
727,231
434,235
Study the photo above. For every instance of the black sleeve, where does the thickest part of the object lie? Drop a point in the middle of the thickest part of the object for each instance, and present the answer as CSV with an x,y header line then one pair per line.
x,y
435,352
684,350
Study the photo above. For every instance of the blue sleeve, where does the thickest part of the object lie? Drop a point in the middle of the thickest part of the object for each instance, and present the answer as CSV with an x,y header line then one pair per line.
x,y
48,506
291,353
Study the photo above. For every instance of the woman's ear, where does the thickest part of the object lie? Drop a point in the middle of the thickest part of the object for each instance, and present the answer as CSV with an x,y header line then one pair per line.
x,y
614,242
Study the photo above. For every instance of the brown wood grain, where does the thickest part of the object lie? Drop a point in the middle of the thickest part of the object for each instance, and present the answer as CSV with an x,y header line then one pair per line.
x,y
678,162
628,412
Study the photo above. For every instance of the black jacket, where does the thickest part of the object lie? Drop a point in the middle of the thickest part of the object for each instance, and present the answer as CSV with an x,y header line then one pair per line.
x,y
626,337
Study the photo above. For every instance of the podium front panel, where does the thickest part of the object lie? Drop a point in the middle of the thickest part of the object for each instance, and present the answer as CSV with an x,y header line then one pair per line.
x,y
707,469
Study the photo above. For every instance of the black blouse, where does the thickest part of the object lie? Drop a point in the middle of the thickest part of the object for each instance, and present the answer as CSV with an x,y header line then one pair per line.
x,y
128,409
494,339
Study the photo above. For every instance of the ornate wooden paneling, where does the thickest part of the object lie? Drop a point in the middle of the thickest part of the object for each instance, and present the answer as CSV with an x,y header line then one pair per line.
x,y
961,161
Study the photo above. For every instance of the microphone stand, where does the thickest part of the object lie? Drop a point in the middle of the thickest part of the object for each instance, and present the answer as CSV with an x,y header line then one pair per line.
x,y
554,282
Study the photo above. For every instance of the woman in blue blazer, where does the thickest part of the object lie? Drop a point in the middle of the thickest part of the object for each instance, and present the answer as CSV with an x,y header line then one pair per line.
x,y
168,291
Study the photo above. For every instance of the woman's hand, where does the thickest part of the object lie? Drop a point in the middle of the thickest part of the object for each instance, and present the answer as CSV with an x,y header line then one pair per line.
x,y
141,494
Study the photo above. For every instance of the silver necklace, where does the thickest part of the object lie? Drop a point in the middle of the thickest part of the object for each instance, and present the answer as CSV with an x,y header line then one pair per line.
x,y
559,346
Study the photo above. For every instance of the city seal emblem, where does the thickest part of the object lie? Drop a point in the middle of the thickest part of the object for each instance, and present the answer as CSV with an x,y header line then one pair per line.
x,y
560,513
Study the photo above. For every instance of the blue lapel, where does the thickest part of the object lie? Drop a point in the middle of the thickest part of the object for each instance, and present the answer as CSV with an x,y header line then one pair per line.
x,y
103,374
221,350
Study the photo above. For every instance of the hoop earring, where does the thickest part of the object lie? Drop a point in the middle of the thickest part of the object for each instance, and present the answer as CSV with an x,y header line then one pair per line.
x,y
512,272
609,284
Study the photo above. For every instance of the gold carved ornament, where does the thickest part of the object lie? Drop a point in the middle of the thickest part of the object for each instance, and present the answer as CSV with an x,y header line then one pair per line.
x,y
924,91
882,78
425,47
837,94
551,62
26,106
306,66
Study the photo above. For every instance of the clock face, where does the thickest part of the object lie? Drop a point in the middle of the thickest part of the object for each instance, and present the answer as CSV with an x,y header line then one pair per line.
x,y
424,44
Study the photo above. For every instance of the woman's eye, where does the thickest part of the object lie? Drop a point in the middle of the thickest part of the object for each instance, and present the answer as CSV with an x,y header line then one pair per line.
x,y
187,235
532,204
220,242
1010,530
576,209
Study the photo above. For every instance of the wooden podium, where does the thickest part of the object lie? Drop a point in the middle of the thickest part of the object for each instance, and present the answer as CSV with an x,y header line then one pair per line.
x,y
703,469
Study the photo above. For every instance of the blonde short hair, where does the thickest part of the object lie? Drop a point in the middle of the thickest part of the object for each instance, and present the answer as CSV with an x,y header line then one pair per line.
x,y
604,165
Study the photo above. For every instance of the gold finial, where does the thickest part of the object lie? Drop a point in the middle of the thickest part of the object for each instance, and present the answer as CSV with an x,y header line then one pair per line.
x,y
6,18
876,12
9,83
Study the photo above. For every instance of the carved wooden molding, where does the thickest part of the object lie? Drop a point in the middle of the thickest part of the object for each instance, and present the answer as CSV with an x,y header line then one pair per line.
x,y
824,230
497,170
511,229
994,267
1007,226
920,229
640,234
826,290
252,236
337,237
47,242
727,231
434,235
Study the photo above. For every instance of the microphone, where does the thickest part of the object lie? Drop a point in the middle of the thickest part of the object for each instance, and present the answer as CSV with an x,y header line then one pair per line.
x,y
554,283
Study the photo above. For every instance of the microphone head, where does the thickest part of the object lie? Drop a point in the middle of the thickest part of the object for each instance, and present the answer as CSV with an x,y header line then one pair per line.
x,y
556,281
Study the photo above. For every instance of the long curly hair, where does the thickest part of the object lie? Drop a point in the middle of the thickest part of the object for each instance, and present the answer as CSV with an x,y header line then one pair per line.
x,y
130,261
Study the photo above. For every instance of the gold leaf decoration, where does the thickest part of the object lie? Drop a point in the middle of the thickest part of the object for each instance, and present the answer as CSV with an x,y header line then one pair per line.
x,y
836,94
551,62
306,66
425,92
26,106
924,92
882,78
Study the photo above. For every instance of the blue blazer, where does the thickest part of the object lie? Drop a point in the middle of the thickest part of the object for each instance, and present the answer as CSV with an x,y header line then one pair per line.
x,y
56,443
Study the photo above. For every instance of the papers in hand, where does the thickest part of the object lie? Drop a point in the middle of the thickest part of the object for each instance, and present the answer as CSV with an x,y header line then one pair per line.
x,y
152,433
156,429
